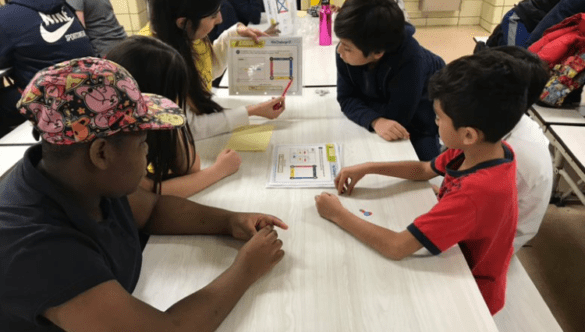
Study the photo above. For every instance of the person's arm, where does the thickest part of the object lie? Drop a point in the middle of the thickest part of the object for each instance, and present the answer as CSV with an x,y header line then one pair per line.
x,y
404,88
208,125
390,244
109,307
221,44
562,10
348,177
81,18
227,163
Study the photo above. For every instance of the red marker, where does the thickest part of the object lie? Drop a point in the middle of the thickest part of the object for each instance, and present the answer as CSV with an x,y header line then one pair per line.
x,y
279,105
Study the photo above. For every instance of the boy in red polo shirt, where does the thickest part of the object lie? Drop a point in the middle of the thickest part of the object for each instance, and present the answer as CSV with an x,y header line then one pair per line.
x,y
477,100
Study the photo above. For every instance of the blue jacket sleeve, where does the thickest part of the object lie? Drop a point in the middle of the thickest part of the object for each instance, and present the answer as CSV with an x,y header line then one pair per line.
x,y
563,9
350,100
403,93
6,45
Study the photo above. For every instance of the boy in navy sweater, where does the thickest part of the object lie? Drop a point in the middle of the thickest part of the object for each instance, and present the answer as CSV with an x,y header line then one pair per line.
x,y
382,74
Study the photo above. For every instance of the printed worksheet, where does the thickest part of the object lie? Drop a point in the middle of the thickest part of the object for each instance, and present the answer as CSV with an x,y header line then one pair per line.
x,y
265,68
305,166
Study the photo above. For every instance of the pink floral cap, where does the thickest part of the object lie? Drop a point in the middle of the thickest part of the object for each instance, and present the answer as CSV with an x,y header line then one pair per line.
x,y
83,99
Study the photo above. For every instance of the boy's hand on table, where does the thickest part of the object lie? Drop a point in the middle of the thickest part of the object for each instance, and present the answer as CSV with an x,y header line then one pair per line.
x,y
228,162
259,255
329,207
348,177
389,130
245,225
266,109
273,30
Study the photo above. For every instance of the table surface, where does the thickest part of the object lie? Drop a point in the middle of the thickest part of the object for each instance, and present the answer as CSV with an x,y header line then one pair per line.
x,y
20,135
9,156
328,280
572,138
319,67
315,103
548,115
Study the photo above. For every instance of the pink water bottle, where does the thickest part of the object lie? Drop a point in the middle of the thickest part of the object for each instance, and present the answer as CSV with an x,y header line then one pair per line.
x,y
325,23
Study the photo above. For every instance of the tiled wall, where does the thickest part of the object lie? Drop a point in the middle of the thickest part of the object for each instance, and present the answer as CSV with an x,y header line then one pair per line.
x,y
131,14
492,12
468,14
487,13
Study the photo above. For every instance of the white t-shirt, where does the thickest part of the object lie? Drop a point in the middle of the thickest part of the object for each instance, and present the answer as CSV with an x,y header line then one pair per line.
x,y
534,176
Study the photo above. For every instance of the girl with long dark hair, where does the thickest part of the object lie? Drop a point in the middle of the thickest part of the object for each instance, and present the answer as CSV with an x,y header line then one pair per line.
x,y
184,25
174,167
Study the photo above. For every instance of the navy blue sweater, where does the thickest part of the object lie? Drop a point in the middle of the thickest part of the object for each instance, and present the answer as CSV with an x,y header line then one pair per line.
x,y
37,34
395,89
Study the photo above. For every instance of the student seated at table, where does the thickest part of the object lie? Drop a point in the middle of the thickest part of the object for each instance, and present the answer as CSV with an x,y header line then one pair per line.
x,y
185,25
382,74
34,35
477,99
70,213
534,175
174,165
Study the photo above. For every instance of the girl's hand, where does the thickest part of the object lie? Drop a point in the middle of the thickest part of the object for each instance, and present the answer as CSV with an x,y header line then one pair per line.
x,y
267,108
228,162
254,34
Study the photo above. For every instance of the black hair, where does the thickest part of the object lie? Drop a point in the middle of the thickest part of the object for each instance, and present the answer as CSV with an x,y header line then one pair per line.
x,y
371,25
535,68
485,91
160,69
163,17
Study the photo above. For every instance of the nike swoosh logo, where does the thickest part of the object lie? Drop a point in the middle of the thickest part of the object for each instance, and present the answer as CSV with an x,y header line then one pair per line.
x,y
51,37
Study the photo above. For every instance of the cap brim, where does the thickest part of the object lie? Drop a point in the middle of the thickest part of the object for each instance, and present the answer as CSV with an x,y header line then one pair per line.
x,y
163,114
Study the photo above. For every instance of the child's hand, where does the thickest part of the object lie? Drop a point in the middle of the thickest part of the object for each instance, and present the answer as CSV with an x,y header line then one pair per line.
x,y
390,130
266,109
228,162
255,34
244,226
259,255
329,206
273,30
347,178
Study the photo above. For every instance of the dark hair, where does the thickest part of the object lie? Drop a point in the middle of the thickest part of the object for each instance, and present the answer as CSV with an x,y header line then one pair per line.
x,y
163,17
371,25
159,69
535,68
486,91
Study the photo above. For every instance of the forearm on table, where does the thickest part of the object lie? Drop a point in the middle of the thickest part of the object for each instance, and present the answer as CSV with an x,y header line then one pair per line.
x,y
206,309
188,185
175,215
390,244
410,170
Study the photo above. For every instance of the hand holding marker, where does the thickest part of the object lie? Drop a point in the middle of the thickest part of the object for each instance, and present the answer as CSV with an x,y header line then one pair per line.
x,y
279,105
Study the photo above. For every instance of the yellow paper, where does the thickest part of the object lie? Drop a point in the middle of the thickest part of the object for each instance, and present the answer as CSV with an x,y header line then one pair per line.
x,y
250,138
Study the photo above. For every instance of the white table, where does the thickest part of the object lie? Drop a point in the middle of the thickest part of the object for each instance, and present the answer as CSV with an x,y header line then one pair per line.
x,y
21,135
319,67
546,116
327,281
9,156
567,143
314,103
